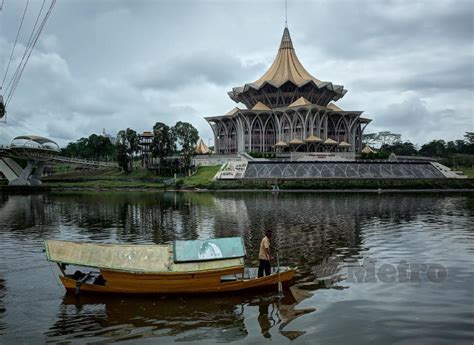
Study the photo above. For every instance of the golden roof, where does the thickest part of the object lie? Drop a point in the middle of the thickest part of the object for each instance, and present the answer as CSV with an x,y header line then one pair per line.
x,y
260,106
313,139
334,107
299,102
201,148
233,111
367,149
281,144
329,141
147,134
344,144
295,141
286,66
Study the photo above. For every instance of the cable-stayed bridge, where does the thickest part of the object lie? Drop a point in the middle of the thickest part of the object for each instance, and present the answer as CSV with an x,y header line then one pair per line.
x,y
37,151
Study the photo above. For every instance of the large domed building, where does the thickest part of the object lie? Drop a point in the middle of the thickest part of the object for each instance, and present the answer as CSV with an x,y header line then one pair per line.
x,y
288,109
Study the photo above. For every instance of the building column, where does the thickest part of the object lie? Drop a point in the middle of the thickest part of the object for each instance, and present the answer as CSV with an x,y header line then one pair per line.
x,y
238,129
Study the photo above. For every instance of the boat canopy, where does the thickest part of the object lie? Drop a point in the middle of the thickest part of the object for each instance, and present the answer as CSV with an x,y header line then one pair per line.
x,y
212,249
212,254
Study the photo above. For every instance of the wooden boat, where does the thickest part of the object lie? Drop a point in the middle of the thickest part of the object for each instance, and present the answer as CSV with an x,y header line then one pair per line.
x,y
183,267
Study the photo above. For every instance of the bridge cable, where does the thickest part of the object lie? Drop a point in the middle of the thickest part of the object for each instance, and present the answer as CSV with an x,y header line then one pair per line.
x,y
32,45
28,45
16,41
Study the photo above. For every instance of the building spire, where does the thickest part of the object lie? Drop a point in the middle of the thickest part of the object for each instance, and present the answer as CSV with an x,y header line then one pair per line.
x,y
286,66
286,14
286,42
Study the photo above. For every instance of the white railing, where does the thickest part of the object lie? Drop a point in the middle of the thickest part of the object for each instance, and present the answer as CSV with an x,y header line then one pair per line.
x,y
232,170
207,160
84,161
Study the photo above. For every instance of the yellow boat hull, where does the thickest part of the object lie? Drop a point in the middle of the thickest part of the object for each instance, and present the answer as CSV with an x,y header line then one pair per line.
x,y
177,283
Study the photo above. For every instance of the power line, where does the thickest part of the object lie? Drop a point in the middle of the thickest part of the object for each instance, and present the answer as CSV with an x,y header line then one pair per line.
x,y
28,45
32,46
16,40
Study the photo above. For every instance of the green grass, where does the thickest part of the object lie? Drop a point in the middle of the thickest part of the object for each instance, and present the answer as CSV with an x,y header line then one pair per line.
x,y
62,169
202,177
139,173
106,184
469,172
111,178
108,173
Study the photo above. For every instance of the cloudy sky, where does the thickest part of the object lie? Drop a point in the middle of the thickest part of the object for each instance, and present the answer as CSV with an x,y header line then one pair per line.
x,y
409,65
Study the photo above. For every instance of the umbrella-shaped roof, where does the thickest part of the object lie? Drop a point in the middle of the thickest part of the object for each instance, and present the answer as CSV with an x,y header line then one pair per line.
x,y
300,102
344,144
281,144
286,66
260,106
233,111
201,148
286,69
334,107
329,141
367,149
296,141
313,139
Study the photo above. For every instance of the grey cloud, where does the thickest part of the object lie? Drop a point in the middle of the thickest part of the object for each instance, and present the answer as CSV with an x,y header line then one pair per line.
x,y
216,68
382,28
115,63
415,121
441,77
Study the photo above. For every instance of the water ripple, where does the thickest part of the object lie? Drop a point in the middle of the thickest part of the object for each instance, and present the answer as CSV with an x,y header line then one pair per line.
x,y
326,236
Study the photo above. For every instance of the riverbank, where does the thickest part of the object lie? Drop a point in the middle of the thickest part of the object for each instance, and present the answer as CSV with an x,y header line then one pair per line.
x,y
139,179
111,179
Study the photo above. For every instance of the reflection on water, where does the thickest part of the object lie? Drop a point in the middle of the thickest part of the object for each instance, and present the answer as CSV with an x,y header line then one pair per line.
x,y
119,318
2,307
309,229
185,318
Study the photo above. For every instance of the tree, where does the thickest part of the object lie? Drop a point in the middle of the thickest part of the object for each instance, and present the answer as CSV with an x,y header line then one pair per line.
x,y
122,157
381,138
187,137
95,147
128,140
400,148
164,142
370,139
469,141
435,148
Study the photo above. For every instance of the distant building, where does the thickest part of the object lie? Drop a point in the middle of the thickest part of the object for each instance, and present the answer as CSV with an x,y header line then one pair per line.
x,y
104,134
145,142
288,109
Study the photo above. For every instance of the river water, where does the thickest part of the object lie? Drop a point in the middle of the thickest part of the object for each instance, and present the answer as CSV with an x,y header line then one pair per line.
x,y
372,268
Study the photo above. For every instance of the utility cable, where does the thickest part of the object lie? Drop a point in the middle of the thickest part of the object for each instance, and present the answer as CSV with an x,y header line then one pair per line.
x,y
28,45
35,39
16,40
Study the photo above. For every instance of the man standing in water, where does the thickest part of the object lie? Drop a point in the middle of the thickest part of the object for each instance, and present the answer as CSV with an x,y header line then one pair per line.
x,y
264,255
